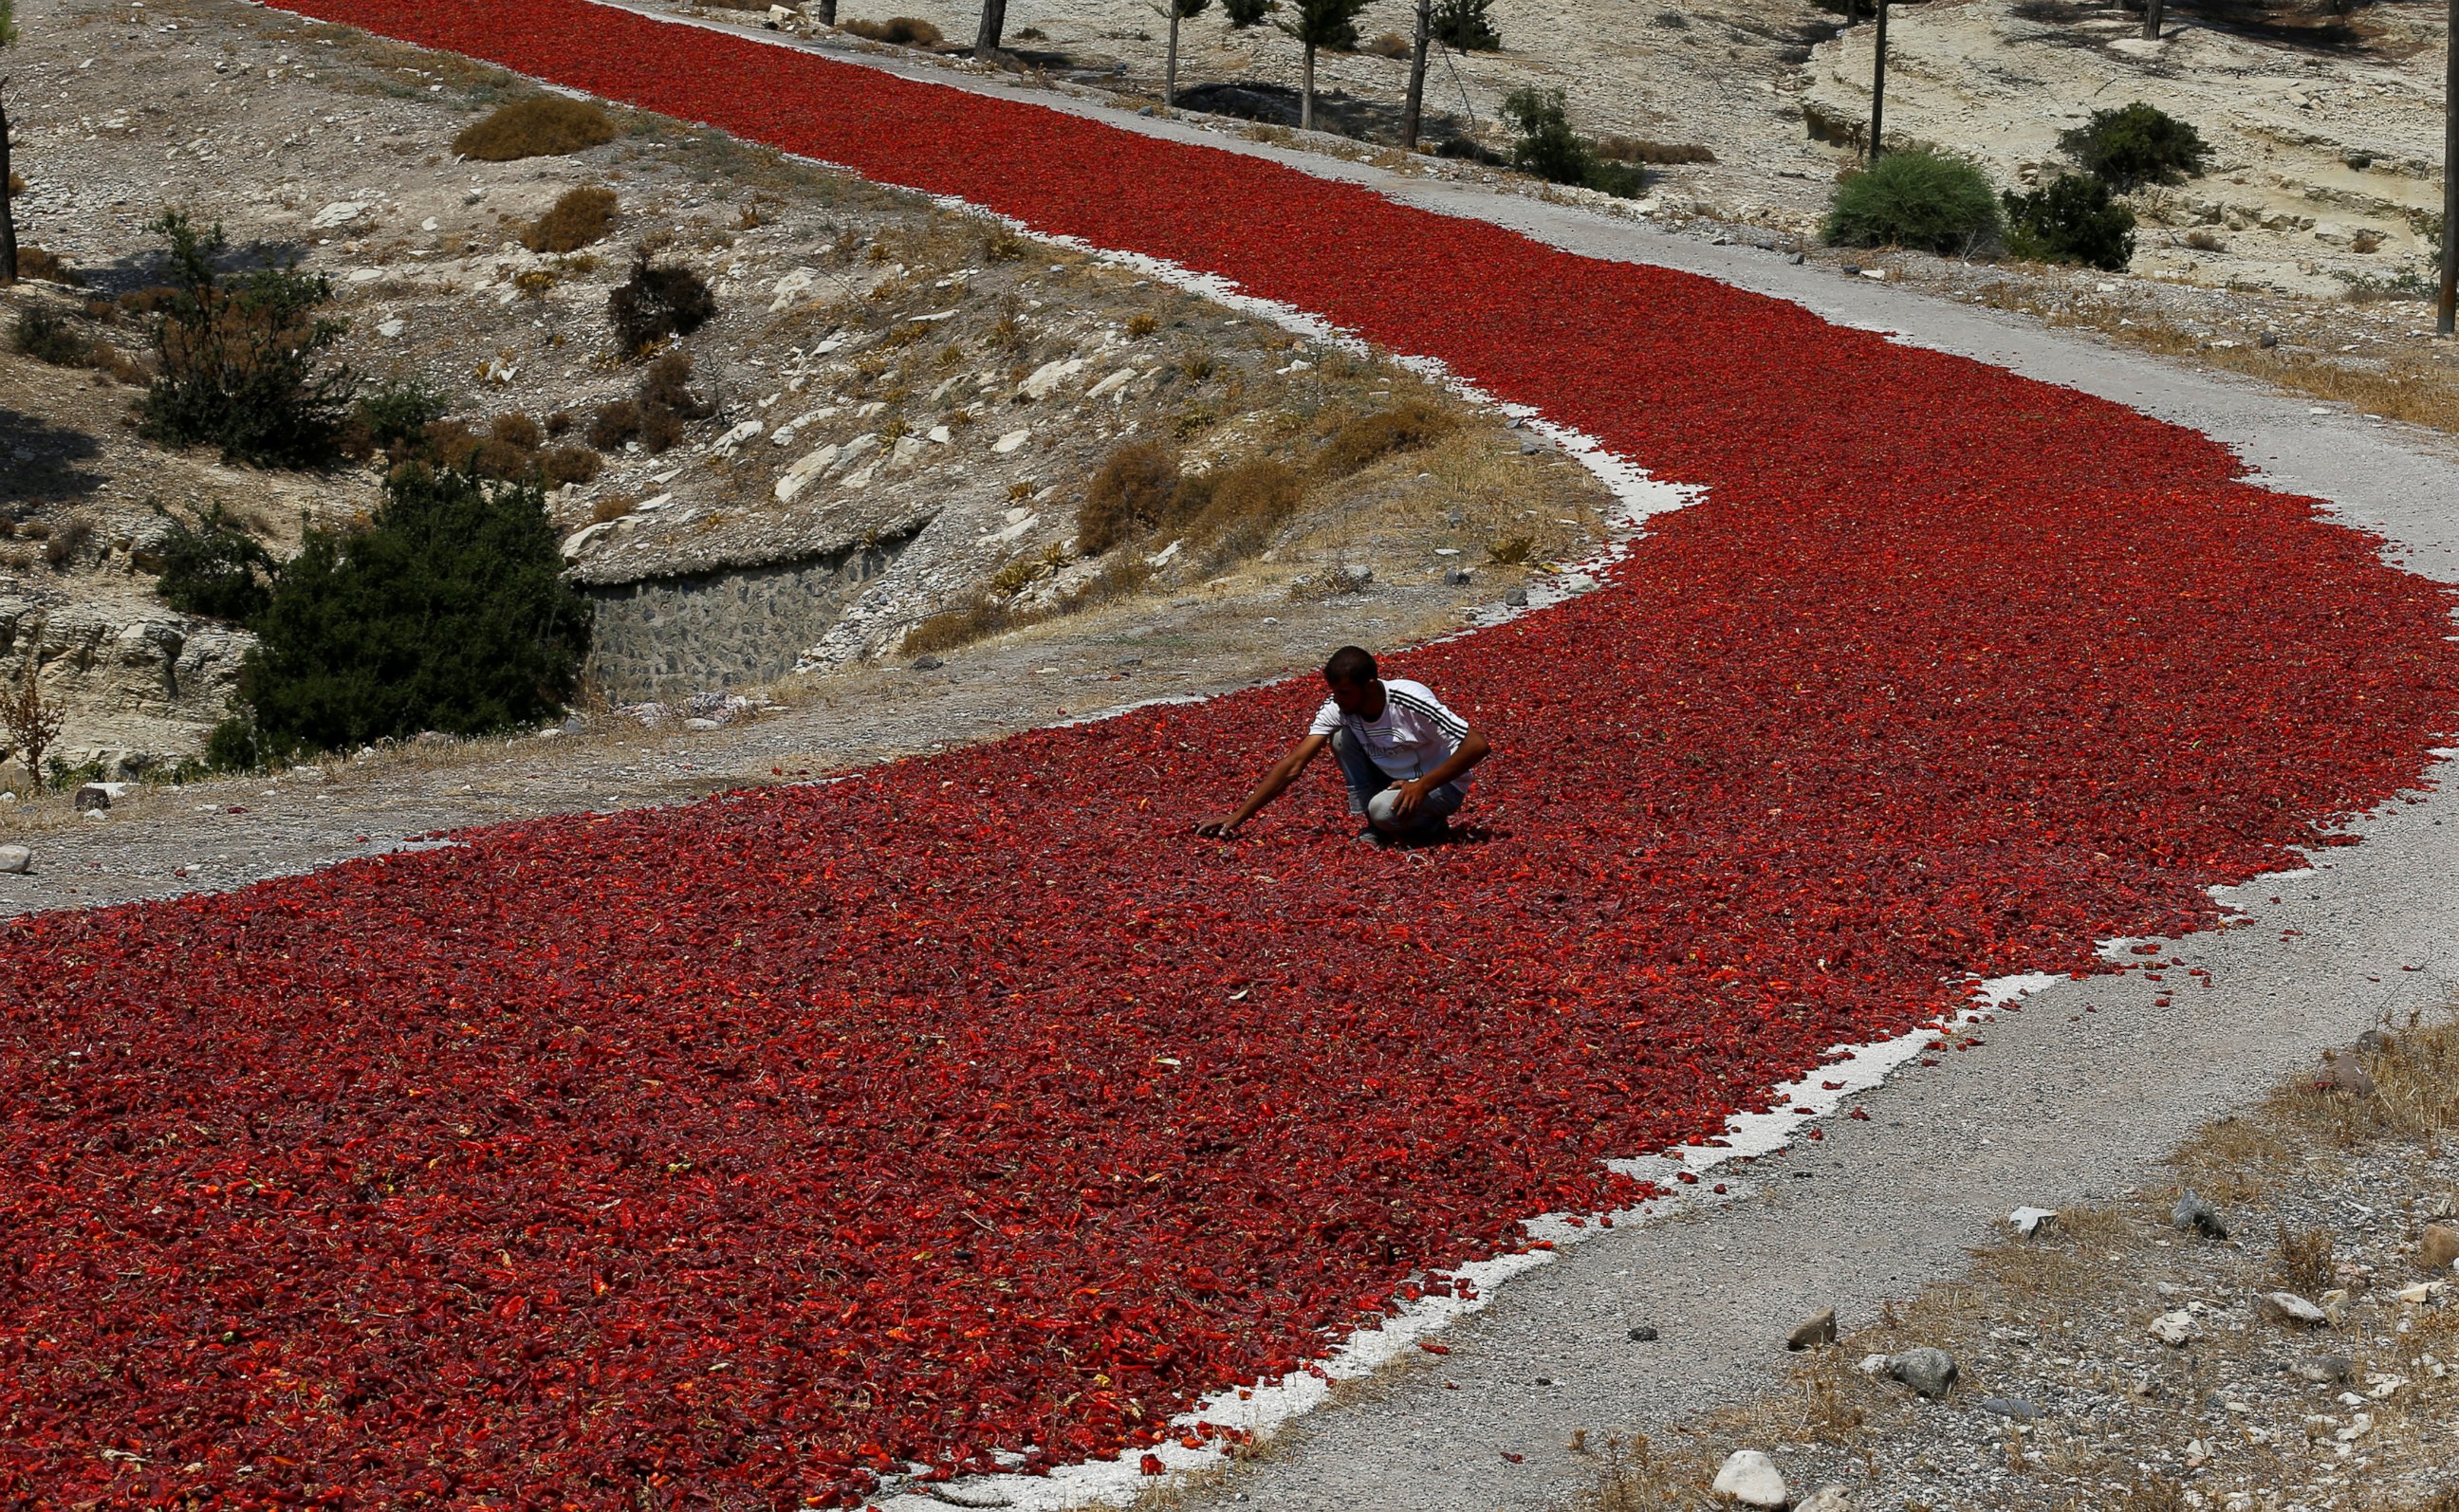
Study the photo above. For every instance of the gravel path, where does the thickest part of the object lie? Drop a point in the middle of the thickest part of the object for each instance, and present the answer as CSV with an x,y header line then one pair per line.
x,y
2062,1104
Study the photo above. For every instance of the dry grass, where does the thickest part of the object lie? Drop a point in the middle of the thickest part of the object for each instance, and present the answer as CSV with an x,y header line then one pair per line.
x,y
897,31
1641,150
543,126
579,217
2411,389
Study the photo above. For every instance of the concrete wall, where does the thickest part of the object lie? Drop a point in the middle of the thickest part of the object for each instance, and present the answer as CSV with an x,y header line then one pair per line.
x,y
663,638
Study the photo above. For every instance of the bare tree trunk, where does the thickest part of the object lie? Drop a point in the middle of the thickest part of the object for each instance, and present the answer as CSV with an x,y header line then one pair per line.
x,y
827,11
1169,71
1306,95
1409,112
1879,84
7,210
2150,20
986,42
2447,307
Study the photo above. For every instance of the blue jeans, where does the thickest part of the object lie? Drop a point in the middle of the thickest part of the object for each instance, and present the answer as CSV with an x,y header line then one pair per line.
x,y
1367,781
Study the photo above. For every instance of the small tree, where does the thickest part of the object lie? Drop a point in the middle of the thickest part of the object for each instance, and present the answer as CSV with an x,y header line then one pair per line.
x,y
215,569
1177,10
1465,27
32,724
1319,23
8,182
241,358
1245,13
2071,219
1916,199
448,611
986,40
2137,144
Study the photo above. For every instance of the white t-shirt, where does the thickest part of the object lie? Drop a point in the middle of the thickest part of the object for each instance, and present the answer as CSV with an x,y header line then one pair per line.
x,y
1415,734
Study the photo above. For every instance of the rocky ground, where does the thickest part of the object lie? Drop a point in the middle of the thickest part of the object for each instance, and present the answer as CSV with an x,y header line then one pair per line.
x,y
2274,1329
885,380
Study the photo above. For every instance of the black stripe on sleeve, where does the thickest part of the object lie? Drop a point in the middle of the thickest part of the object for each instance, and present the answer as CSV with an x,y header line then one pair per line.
x,y
1453,722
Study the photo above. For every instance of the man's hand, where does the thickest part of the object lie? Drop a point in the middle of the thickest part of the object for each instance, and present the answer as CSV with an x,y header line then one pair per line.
x,y
1413,792
1221,829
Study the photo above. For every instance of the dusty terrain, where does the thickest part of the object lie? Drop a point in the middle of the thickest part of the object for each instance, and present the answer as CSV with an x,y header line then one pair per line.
x,y
904,402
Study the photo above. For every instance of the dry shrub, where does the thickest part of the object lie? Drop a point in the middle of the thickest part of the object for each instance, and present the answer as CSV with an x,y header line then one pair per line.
x,y
563,465
2305,1264
67,544
543,126
35,263
1236,510
516,429
579,217
897,31
952,628
1371,438
1135,492
659,301
1143,324
119,365
561,423
656,415
1640,150
1389,45
613,423
1005,245
612,509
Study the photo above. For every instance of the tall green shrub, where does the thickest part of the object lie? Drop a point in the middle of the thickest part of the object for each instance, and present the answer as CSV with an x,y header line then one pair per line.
x,y
1549,148
2072,218
2137,144
1464,26
448,611
242,359
215,568
1919,200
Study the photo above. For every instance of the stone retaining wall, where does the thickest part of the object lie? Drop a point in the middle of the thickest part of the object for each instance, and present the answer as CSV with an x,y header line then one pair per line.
x,y
664,638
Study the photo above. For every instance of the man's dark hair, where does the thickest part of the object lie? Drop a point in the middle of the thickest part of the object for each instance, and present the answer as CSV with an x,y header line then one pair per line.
x,y
1350,667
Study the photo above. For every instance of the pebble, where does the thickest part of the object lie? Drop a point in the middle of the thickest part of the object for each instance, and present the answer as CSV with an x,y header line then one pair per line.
x,y
1750,1478
1827,1498
1516,598
2340,1073
2013,1407
1930,1372
1811,1333
2196,1215
2173,1329
1643,1334
16,860
928,664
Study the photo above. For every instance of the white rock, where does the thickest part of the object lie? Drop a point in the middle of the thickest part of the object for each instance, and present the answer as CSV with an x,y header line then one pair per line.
x,y
745,431
941,436
2029,1220
427,224
1011,441
1751,1478
340,213
16,860
578,540
791,285
908,447
2290,1308
1874,1364
1112,383
1826,1499
2173,1329
391,328
1046,378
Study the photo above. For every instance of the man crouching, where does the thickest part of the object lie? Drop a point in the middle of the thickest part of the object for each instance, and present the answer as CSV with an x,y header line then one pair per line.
x,y
1405,757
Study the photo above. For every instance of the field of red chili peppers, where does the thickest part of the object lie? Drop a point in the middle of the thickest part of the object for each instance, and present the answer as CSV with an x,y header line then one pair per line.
x,y
744,1150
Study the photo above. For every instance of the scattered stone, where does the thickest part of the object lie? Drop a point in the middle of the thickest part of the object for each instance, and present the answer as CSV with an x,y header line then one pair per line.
x,y
1852,267
1813,1333
1516,598
2340,1073
2267,340
573,724
2173,1329
102,794
2010,1407
1930,1372
2193,1215
1457,577
1873,1365
2287,1307
1530,447
2439,1247
1643,1334
16,860
2030,1221
1750,1477
2375,1041
928,664
1827,1498
2324,1369
1797,260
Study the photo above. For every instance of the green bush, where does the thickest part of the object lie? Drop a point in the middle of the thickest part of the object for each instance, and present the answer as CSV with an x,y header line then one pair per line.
x,y
448,611
1548,148
242,359
1245,13
1464,26
215,569
2137,144
1916,199
392,417
657,302
2071,220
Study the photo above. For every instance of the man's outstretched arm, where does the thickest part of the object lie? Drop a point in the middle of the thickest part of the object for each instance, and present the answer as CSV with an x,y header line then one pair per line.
x,y
1471,750
1278,776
